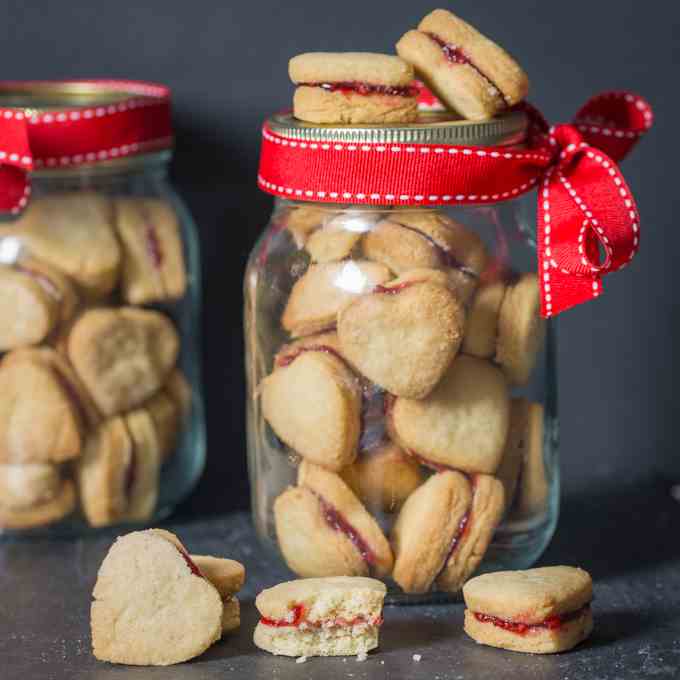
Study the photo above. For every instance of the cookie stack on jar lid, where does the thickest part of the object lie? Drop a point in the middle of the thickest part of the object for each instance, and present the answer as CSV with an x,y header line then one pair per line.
x,y
91,398
397,392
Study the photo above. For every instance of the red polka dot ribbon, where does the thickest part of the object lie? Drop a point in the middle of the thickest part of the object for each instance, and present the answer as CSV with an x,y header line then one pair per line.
x,y
588,223
139,121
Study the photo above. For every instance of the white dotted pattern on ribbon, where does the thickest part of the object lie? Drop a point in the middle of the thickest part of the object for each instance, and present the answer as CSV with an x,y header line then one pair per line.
x,y
96,112
639,103
547,251
346,195
104,155
23,200
14,158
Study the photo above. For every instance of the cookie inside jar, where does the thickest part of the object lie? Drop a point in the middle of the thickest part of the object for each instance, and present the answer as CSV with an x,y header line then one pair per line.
x,y
100,417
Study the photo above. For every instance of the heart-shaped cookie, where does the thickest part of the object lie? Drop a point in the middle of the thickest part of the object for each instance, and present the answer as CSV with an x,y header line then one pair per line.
x,y
402,336
123,355
462,424
313,403
152,605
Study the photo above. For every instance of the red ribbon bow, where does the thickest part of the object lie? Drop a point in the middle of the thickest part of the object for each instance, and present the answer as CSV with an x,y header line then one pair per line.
x,y
138,122
588,223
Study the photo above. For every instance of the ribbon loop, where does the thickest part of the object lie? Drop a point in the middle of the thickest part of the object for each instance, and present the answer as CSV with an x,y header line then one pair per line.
x,y
16,161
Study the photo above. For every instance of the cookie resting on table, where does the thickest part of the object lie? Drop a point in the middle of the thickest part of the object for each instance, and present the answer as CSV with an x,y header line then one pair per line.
x,y
320,617
540,611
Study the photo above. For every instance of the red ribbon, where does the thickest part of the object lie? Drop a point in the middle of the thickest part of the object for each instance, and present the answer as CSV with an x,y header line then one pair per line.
x,y
588,223
139,123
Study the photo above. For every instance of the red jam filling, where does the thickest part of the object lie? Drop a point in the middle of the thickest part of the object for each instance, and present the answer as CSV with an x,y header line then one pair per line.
x,y
359,87
290,358
445,256
296,618
190,563
43,280
520,628
153,245
338,523
394,290
456,55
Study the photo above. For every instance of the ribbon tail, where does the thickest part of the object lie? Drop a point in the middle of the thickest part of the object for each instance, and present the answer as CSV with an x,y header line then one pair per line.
x,y
573,290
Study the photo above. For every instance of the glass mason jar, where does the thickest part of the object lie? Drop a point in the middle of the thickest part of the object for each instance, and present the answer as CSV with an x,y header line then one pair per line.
x,y
402,416
101,414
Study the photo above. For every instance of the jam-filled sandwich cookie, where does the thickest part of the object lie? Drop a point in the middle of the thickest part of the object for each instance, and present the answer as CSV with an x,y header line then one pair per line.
x,y
383,477
521,329
324,289
228,577
338,238
481,330
122,355
540,611
74,232
431,240
338,616
44,410
324,530
462,424
153,260
118,471
403,335
152,604
444,529
353,87
33,495
312,401
35,299
467,71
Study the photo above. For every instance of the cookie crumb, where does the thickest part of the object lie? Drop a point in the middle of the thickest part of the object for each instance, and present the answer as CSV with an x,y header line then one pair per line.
x,y
362,656
301,659
417,657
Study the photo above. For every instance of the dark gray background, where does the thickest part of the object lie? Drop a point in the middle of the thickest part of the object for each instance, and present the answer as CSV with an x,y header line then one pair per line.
x,y
226,62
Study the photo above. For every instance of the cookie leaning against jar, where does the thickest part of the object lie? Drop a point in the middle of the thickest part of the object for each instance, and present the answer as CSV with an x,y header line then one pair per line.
x,y
468,72
153,267
353,87
74,233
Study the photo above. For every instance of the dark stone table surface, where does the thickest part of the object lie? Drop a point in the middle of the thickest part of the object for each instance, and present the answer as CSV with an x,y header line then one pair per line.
x,y
632,548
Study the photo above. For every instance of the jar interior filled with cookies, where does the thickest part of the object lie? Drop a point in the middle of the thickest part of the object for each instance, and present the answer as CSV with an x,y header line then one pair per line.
x,y
101,419
402,384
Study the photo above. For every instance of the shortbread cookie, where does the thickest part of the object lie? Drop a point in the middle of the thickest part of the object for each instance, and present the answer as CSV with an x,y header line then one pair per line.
x,y
339,236
481,330
324,289
123,356
302,220
231,615
152,606
465,70
540,611
468,548
45,512
228,576
432,517
383,477
313,403
43,410
344,512
353,87
508,471
462,424
533,487
309,542
320,617
407,240
152,267
74,233
28,485
521,329
403,336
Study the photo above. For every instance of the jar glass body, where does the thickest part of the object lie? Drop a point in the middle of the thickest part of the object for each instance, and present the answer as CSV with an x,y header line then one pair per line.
x,y
353,294
108,259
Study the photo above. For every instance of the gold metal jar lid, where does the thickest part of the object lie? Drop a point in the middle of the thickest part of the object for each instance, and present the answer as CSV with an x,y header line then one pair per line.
x,y
433,127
